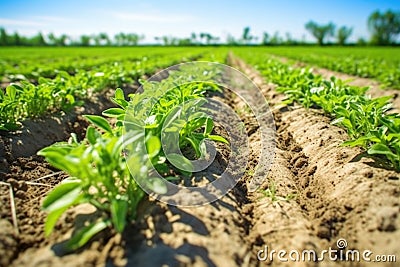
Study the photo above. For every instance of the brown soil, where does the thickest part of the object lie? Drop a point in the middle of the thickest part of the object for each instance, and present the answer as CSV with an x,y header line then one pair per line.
x,y
340,194
30,178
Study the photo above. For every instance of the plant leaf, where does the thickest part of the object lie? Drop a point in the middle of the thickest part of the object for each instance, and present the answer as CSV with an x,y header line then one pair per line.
x,y
153,146
380,149
180,162
52,219
119,208
91,135
99,122
11,92
63,195
209,126
83,236
113,112
217,138
119,94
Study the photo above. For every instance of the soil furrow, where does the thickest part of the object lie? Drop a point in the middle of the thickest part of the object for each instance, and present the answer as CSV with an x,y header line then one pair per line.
x,y
26,172
209,235
342,193
339,192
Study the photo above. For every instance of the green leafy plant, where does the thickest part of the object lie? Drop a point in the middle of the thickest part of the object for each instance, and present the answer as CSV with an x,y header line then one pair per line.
x,y
371,62
57,87
365,119
271,193
103,177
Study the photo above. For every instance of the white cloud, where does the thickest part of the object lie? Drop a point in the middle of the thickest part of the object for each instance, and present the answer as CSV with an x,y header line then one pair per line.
x,y
15,22
155,17
52,19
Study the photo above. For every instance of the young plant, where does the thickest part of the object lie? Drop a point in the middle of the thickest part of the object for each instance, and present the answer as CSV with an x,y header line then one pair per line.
x,y
271,193
109,164
365,119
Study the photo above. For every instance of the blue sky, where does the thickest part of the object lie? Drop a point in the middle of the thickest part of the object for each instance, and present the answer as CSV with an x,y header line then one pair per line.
x,y
179,18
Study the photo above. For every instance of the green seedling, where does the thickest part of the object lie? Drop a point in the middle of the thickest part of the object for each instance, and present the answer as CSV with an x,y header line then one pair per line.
x,y
365,119
103,177
271,193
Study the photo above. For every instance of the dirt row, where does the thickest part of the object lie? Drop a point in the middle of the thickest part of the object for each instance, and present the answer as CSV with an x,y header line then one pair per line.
x,y
30,178
339,194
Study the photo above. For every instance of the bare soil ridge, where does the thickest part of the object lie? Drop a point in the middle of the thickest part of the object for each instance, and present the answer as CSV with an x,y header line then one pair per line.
x,y
340,194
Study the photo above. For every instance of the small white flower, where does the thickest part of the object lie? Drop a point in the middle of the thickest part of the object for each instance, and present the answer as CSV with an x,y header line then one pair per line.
x,y
316,90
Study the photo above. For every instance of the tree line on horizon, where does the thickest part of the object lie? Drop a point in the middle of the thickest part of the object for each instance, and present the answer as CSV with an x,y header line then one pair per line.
x,y
383,26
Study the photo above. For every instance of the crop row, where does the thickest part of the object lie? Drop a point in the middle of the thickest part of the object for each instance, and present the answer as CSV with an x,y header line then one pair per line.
x,y
30,100
106,166
366,119
384,67
47,63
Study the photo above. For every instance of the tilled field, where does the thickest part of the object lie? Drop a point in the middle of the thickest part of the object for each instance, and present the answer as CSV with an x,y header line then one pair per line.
x,y
340,194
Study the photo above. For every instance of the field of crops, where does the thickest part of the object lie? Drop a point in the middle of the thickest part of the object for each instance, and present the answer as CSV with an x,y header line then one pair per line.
x,y
92,149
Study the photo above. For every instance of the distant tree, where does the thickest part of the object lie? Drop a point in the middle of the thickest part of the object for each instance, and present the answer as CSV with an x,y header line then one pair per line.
x,y
85,40
361,41
184,42
167,40
120,38
246,36
320,32
38,40
52,39
133,38
103,37
193,39
214,40
62,41
384,27
3,37
17,39
230,40
208,38
289,39
276,39
265,39
343,34
96,39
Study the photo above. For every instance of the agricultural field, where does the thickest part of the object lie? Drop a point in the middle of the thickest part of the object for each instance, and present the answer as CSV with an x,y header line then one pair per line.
x,y
304,142
381,64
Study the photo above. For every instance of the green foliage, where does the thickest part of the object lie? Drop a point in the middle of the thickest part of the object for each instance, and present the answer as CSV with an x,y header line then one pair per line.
x,y
380,63
103,177
320,32
54,88
365,119
384,27
343,33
